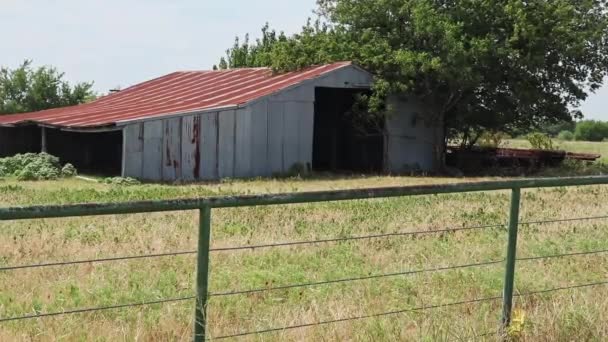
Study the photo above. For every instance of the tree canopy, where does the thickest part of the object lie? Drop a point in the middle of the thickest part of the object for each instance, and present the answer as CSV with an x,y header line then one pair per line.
x,y
478,64
29,89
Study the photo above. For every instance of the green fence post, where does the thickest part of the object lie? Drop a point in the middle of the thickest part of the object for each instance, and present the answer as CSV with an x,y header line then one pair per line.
x,y
511,257
202,274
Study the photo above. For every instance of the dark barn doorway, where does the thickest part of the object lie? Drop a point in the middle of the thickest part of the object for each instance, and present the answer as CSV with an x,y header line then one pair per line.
x,y
342,143
91,153
21,139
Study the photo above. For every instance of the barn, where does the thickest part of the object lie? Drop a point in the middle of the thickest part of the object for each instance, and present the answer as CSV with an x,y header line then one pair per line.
x,y
207,125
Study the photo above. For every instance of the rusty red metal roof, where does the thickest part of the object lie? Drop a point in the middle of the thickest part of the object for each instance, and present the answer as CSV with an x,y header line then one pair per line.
x,y
177,93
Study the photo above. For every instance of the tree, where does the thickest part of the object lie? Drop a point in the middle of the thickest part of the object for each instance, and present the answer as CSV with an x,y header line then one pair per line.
x,y
28,89
590,130
251,55
478,64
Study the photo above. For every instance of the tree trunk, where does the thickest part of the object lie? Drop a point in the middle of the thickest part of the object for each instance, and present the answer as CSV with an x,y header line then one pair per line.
x,y
439,143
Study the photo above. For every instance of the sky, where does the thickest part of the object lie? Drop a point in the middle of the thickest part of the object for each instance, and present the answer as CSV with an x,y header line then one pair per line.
x,y
118,43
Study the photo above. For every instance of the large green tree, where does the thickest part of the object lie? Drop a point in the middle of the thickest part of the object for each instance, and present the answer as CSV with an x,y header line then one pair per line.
x,y
29,89
478,64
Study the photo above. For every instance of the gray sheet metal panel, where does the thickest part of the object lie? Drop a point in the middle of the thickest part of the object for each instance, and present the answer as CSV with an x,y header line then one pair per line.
x,y
291,135
172,153
304,92
410,137
275,137
209,146
133,150
349,77
243,140
259,139
226,145
153,145
306,132
191,154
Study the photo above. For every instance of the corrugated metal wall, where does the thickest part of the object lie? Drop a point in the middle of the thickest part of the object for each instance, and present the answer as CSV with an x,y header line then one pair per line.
x,y
409,138
267,136
260,140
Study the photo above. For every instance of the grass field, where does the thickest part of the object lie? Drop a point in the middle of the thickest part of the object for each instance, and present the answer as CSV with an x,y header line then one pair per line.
x,y
570,146
572,315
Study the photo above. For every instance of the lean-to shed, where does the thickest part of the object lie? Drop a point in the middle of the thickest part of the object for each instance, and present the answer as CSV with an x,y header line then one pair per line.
x,y
236,123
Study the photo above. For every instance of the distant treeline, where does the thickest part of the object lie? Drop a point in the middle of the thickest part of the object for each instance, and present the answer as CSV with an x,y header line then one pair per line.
x,y
586,130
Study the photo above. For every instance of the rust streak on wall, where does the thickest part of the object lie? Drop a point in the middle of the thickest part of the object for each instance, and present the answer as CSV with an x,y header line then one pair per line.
x,y
196,129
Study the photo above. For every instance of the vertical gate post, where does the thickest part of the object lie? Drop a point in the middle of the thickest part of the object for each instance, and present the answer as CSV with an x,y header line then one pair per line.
x,y
202,274
511,257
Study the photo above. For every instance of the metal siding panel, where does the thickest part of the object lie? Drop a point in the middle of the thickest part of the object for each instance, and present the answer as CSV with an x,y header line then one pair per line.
x,y
134,150
191,156
172,154
226,127
410,141
209,146
153,155
242,148
275,137
259,141
350,77
306,133
291,150
305,92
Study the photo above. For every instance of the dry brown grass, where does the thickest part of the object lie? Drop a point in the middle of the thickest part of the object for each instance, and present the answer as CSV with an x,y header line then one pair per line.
x,y
565,315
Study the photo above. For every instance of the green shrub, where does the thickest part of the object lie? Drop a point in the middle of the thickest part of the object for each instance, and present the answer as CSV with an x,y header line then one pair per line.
x,y
492,139
540,141
565,135
591,130
33,166
68,170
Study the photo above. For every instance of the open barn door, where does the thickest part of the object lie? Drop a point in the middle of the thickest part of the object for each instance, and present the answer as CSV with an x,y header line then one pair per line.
x,y
342,143
98,153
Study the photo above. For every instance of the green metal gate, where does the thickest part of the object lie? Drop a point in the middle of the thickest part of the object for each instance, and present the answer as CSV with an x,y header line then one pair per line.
x,y
206,205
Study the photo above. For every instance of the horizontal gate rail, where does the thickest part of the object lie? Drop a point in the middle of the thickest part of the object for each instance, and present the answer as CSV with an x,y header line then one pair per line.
x,y
52,211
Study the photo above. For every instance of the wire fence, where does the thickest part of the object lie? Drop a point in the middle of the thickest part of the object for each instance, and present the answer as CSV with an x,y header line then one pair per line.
x,y
203,294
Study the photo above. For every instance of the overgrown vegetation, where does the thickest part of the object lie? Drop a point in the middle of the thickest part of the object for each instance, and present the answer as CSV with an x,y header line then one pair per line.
x,y
492,139
540,141
32,166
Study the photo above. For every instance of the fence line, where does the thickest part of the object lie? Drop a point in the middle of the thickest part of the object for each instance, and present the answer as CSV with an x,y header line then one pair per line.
x,y
68,263
205,205
283,244
365,237
99,308
387,275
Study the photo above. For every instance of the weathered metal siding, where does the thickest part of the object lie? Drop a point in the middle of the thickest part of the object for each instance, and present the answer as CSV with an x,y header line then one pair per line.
x,y
190,144
409,136
133,151
268,136
275,136
172,152
226,143
242,143
259,139
209,146
153,150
